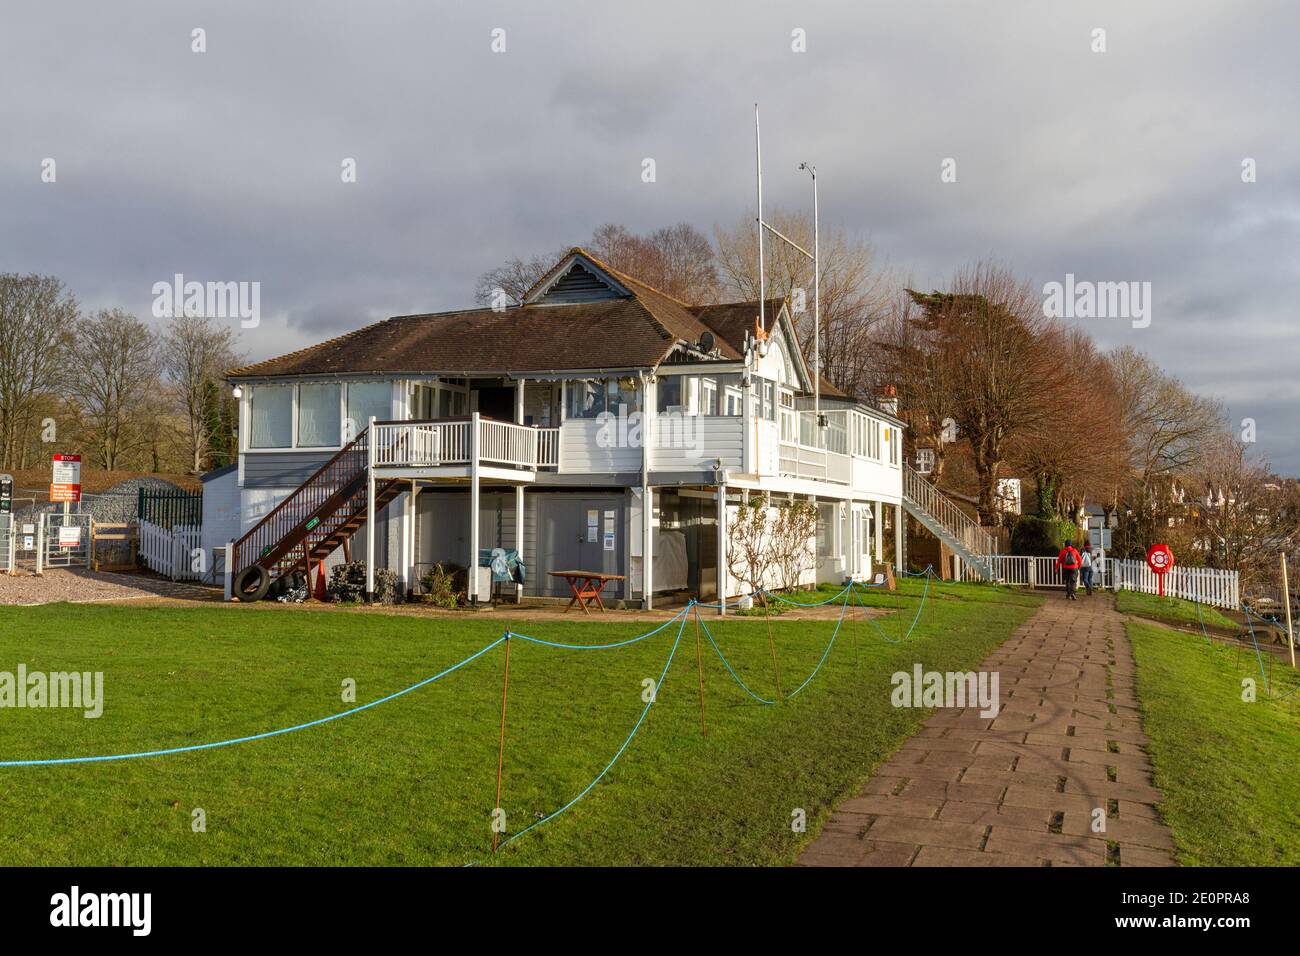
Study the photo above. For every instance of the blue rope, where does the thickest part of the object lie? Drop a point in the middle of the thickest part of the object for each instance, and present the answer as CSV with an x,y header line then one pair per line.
x,y
826,653
920,607
261,736
637,726
600,647
727,664
783,600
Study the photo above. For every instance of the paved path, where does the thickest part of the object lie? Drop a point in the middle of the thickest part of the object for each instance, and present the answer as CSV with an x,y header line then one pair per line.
x,y
1020,789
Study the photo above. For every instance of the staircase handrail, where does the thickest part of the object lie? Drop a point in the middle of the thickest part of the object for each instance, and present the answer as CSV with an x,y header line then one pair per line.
x,y
943,510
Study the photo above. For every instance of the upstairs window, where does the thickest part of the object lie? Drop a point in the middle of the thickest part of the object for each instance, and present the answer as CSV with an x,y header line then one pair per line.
x,y
271,417
319,415
367,400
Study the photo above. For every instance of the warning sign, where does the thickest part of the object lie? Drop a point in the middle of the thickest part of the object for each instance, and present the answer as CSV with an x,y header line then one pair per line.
x,y
65,484
70,536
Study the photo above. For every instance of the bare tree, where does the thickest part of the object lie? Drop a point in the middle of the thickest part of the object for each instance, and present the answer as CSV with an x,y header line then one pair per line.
x,y
856,294
749,546
195,355
112,373
513,277
793,535
677,260
1168,428
1246,514
37,317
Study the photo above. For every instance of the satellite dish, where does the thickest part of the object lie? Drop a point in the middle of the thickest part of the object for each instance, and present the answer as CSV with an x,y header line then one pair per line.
x,y
706,342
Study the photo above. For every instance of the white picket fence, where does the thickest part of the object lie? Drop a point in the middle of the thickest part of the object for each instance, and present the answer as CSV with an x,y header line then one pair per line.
x,y
168,551
1031,572
1207,585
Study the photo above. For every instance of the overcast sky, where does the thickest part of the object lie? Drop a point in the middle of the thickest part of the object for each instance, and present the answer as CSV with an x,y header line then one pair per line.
x,y
225,166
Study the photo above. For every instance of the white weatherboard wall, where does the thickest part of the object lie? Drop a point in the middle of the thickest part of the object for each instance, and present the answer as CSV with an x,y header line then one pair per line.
x,y
694,444
581,451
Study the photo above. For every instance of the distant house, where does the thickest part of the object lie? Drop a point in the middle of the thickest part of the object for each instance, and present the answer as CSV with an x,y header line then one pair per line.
x,y
601,425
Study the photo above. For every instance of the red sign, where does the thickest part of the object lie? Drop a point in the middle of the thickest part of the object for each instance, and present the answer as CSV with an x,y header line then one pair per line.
x,y
1160,560
65,484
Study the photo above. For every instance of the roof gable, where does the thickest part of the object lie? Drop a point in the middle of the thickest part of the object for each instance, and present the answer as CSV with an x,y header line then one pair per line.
x,y
576,278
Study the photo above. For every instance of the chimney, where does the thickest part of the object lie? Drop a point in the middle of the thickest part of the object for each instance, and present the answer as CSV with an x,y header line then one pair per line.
x,y
889,400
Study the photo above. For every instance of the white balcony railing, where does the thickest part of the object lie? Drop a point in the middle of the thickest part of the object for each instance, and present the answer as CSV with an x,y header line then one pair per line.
x,y
431,444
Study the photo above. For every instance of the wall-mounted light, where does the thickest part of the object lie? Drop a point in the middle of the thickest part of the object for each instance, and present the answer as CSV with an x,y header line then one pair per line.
x,y
237,392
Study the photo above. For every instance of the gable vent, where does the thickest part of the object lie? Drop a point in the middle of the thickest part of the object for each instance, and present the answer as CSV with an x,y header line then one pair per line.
x,y
578,285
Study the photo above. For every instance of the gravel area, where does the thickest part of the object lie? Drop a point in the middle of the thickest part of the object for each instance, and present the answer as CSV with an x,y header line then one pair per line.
x,y
80,586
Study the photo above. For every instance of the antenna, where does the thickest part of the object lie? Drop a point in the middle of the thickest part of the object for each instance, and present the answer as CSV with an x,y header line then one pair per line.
x,y
814,257
758,164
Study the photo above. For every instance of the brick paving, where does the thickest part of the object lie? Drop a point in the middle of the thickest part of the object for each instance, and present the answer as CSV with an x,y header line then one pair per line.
x,y
1020,789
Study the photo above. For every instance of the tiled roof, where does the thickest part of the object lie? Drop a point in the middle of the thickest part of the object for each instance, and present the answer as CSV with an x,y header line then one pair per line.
x,y
625,332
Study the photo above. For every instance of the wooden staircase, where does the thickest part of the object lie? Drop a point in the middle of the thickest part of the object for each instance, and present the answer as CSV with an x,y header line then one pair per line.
x,y
321,514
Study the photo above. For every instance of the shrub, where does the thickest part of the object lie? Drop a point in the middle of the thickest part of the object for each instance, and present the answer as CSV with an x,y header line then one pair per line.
x,y
1043,537
440,588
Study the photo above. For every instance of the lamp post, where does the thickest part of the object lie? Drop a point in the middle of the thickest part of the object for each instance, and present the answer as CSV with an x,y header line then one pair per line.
x,y
817,302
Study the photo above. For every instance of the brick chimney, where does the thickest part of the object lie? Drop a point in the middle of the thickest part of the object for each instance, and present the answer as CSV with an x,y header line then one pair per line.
x,y
889,400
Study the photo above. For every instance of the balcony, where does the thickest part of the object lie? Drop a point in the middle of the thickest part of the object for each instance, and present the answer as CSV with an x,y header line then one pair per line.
x,y
460,444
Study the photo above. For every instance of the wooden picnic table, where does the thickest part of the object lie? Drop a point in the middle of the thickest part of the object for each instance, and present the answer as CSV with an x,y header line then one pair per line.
x,y
586,586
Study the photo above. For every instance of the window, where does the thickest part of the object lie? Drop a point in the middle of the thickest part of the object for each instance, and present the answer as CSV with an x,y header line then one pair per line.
x,y
708,397
272,417
735,406
367,399
769,403
586,397
318,416
670,393
620,392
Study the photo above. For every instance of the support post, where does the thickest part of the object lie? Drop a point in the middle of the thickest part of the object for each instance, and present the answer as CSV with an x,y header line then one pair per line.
x,y
723,535
879,529
370,510
227,573
519,535
900,562
699,668
1286,600
501,746
471,585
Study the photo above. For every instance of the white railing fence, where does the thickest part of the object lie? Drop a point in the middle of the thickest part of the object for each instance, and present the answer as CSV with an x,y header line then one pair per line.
x,y
430,444
1212,586
170,551
1207,585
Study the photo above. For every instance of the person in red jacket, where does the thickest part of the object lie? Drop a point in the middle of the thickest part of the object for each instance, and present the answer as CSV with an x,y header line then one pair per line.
x,y
1068,561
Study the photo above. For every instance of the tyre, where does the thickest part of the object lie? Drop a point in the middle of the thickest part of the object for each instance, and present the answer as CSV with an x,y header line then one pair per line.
x,y
252,583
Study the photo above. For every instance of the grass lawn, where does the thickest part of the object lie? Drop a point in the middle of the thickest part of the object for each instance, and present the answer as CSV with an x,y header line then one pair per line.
x,y
1230,770
412,781
1171,609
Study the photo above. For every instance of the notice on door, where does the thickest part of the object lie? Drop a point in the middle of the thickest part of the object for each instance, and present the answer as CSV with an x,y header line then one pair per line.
x,y
609,530
593,525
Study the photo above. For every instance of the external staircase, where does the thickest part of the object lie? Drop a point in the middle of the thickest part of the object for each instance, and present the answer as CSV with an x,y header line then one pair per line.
x,y
318,517
943,519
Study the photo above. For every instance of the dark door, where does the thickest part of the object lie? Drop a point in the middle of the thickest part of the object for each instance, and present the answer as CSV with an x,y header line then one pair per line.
x,y
573,535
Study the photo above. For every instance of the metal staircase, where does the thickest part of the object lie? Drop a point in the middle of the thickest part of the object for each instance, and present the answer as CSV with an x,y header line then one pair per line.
x,y
948,523
322,513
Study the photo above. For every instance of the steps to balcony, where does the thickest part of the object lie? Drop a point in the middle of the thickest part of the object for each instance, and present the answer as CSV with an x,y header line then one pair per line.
x,y
943,519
